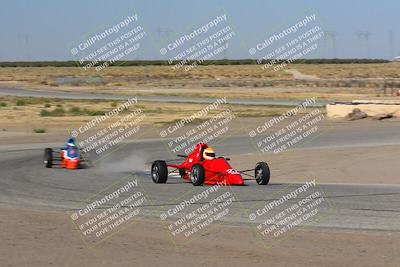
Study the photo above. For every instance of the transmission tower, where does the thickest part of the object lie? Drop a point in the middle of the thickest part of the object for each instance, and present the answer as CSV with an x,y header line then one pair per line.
x,y
364,36
331,36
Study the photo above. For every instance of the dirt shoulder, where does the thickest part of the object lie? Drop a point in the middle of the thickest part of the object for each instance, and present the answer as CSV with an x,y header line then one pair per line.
x,y
42,238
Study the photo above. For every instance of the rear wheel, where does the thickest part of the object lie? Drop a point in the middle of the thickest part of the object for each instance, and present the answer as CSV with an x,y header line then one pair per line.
x,y
159,172
262,173
48,157
197,175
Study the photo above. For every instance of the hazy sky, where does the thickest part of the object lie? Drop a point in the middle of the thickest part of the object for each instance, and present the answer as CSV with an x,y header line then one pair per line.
x,y
47,29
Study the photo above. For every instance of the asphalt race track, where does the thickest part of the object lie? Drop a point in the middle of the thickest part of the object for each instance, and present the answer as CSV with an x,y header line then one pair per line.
x,y
24,182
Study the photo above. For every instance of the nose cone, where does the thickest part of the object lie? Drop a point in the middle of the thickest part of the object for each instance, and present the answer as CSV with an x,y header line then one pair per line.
x,y
219,171
234,179
72,164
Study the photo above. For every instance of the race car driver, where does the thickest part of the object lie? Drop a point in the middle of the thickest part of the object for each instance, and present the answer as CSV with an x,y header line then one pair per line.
x,y
70,150
208,154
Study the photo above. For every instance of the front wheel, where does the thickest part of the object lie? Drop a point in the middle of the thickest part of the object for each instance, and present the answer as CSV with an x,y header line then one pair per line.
x,y
262,173
159,172
48,157
197,175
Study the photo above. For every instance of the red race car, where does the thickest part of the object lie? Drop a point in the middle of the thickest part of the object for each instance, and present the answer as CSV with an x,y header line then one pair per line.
x,y
67,157
202,167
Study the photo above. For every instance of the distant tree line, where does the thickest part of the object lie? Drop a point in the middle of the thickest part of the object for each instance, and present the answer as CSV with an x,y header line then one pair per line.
x,y
205,63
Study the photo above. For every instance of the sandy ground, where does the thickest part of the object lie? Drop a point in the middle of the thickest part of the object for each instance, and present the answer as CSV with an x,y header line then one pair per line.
x,y
57,128
42,238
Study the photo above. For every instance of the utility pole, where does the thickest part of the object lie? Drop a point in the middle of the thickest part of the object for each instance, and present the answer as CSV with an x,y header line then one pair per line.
x,y
331,36
24,39
391,45
364,35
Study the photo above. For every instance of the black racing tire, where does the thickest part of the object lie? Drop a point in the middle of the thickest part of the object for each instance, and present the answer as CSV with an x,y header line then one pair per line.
x,y
159,172
197,175
48,157
262,173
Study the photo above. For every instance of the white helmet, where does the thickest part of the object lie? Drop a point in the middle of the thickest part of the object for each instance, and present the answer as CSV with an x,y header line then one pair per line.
x,y
209,153
71,142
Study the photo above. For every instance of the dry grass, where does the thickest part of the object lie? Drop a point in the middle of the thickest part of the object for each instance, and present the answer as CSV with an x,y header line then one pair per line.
x,y
241,81
351,71
30,114
141,75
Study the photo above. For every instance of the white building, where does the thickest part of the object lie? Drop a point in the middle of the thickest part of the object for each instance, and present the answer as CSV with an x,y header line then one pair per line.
x,y
396,58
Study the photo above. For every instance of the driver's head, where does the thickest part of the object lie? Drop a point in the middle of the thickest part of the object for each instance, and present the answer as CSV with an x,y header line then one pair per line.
x,y
70,144
209,153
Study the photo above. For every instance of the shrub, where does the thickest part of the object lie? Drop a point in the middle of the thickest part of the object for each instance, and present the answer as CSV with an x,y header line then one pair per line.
x,y
39,130
45,113
2,104
47,105
75,111
20,102
94,112
58,112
